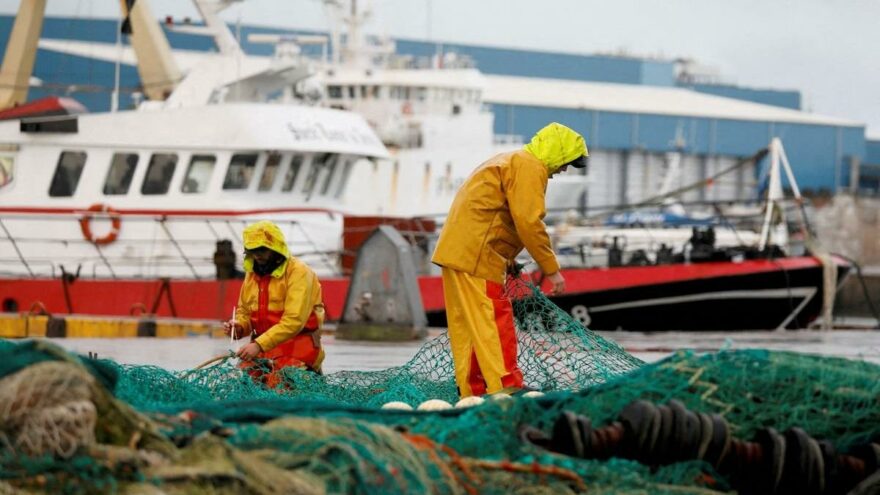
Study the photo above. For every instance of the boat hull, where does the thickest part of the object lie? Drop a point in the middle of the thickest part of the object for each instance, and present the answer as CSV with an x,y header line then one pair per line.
x,y
716,296
749,295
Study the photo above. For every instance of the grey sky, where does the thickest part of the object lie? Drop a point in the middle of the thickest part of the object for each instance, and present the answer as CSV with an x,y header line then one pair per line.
x,y
824,48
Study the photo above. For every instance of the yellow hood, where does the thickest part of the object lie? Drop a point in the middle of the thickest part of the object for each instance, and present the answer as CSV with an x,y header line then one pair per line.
x,y
264,234
556,145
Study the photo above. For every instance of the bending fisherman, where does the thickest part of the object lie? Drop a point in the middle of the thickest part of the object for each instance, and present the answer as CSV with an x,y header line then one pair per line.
x,y
279,307
498,210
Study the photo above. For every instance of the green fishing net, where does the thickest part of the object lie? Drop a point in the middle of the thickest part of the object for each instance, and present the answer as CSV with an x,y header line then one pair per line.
x,y
76,425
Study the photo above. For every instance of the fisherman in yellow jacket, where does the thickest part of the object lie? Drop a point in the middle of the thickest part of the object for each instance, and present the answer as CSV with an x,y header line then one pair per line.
x,y
498,211
279,306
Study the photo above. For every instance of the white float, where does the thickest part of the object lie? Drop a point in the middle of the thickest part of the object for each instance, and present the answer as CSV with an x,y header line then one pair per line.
x,y
500,397
473,400
397,405
434,405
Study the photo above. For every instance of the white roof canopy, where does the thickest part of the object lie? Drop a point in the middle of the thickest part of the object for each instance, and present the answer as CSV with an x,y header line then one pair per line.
x,y
627,98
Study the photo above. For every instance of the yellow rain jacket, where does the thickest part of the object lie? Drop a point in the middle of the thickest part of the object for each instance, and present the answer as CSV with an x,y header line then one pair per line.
x,y
293,300
500,208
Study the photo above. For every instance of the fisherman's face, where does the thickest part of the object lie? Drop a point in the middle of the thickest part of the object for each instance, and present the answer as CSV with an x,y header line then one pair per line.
x,y
559,170
261,255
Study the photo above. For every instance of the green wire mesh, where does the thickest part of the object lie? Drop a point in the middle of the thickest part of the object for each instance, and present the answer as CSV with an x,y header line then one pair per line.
x,y
216,430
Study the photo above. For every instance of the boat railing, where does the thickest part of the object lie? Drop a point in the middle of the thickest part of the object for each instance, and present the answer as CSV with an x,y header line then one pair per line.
x,y
145,246
640,235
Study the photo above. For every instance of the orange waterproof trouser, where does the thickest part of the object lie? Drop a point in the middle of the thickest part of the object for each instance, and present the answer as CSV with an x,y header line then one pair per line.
x,y
302,351
481,334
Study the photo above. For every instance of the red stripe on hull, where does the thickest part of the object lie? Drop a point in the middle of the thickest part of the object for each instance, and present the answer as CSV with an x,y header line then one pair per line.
x,y
211,299
205,299
597,279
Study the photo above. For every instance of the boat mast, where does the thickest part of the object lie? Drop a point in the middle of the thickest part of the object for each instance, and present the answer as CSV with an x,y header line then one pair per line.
x,y
775,196
226,42
156,67
21,51
354,51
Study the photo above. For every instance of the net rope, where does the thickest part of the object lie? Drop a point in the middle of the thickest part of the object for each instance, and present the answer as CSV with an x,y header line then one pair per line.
x,y
217,430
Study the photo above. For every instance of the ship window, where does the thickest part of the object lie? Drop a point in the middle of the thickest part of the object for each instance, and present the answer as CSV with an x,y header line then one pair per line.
x,y
314,170
375,91
346,171
292,173
421,94
270,171
241,170
67,173
330,165
198,174
7,169
334,91
351,92
120,174
159,173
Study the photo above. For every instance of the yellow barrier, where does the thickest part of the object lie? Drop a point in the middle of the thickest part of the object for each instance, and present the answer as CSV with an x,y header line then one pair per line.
x,y
13,326
84,328
76,326
36,325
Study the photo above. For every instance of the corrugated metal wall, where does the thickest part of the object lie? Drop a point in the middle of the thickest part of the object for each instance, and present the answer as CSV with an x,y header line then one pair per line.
x,y
819,154
630,177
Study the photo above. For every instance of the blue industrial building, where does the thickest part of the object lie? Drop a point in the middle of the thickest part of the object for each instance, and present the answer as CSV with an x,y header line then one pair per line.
x,y
822,151
825,152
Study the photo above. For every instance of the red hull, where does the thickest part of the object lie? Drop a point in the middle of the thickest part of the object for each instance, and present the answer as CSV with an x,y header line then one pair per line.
x,y
213,300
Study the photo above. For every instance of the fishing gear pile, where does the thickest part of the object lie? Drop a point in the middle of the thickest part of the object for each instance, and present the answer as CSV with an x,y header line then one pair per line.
x,y
748,421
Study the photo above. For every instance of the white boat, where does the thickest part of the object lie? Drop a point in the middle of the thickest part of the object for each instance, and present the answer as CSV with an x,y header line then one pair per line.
x,y
171,178
428,112
126,200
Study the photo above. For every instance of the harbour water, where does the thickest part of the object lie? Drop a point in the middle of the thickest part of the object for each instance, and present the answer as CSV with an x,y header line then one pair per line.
x,y
186,353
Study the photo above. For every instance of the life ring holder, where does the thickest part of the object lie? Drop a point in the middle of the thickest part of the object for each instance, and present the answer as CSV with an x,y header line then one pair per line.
x,y
406,108
86,227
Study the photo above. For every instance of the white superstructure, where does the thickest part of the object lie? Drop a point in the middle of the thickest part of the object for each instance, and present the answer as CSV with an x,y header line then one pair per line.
x,y
149,192
429,111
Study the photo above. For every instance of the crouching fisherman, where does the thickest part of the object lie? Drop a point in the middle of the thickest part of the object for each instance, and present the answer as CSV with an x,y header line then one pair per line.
x,y
279,307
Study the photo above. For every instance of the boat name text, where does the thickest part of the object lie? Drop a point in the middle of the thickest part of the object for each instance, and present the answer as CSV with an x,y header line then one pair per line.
x,y
318,132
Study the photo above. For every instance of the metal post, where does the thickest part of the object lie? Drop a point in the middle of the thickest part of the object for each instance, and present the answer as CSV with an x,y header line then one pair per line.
x,y
179,249
806,228
774,184
17,251
114,98
104,259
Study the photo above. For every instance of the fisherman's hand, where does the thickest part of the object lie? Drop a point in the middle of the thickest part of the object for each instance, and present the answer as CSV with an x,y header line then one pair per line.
x,y
515,269
557,283
249,352
228,327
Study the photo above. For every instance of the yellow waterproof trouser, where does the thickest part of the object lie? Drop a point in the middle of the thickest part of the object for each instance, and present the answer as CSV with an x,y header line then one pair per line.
x,y
482,334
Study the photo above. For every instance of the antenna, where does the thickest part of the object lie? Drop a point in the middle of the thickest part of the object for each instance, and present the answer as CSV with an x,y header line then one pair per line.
x,y
114,96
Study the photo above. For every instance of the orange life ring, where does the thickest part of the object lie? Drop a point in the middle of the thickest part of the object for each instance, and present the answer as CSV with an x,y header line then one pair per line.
x,y
115,223
407,108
